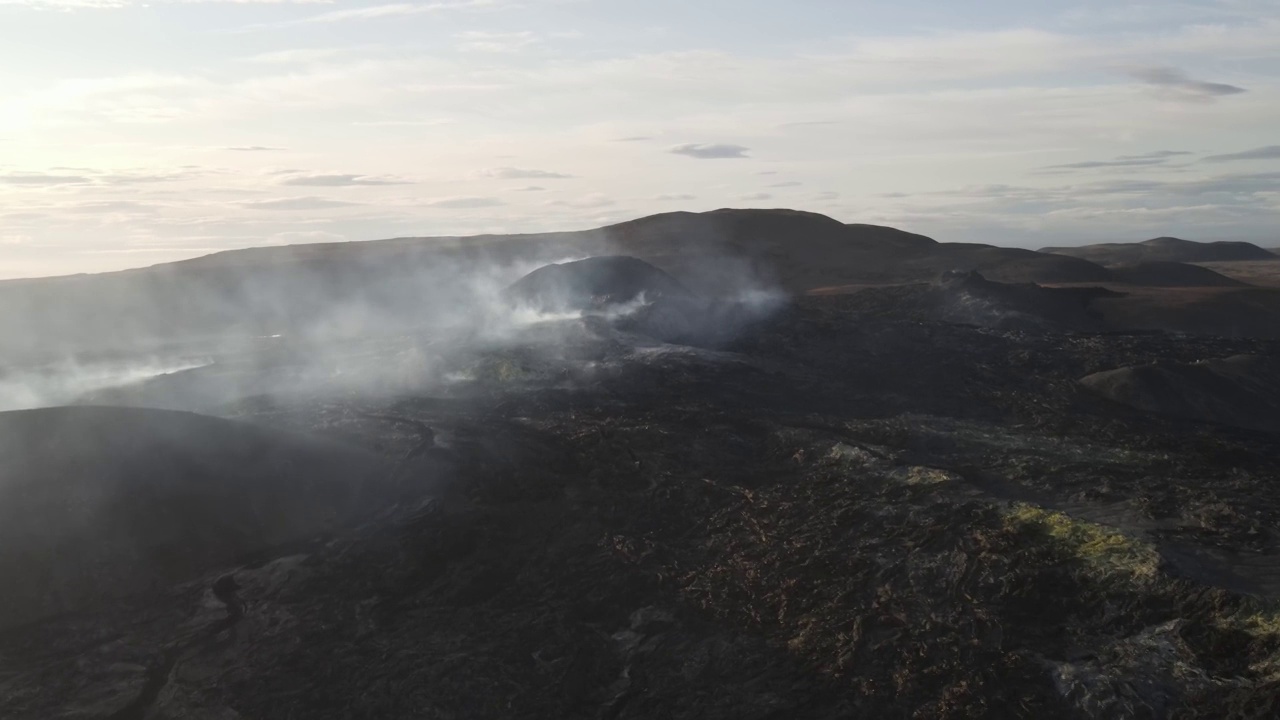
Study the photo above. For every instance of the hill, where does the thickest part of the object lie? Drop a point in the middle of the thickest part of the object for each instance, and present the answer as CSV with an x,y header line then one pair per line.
x,y
1241,390
1172,274
1217,311
326,292
1163,249
1262,273
338,288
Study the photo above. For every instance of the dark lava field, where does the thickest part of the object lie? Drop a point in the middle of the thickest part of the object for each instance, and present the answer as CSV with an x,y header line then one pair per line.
x,y
958,492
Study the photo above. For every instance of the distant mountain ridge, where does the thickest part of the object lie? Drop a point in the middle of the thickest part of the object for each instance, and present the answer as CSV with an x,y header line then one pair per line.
x,y
269,290
1164,249
360,286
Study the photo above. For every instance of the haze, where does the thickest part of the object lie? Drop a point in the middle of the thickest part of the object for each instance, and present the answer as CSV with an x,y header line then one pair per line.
x,y
134,133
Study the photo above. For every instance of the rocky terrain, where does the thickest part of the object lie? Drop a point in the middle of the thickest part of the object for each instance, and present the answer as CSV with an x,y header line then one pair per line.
x,y
940,497
1241,390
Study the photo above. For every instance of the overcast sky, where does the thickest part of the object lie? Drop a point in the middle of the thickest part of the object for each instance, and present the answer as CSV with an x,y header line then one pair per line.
x,y
140,132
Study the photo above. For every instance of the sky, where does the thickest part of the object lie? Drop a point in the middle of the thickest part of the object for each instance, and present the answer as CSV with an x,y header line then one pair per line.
x,y
133,133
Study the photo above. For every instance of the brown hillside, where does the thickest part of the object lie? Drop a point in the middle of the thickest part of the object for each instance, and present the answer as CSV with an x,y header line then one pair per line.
x,y
1163,249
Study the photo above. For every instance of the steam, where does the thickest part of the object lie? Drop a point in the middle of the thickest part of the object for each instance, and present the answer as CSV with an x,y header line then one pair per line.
x,y
67,381
358,328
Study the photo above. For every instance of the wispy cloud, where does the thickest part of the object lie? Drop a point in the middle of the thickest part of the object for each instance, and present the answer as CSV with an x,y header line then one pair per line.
x,y
41,179
255,148
511,173
1151,159
296,203
809,123
115,4
143,177
593,200
464,202
1177,84
1158,154
374,12
675,198
294,56
1270,152
425,122
342,180
710,152
495,42
113,206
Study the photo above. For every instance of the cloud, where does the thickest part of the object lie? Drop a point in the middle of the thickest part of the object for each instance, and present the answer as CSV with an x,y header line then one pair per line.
x,y
374,12
294,56
809,123
113,206
594,200
255,148
142,178
342,180
464,202
427,122
678,197
495,42
296,203
301,237
510,173
1178,85
757,196
530,188
1270,152
1159,157
116,4
826,195
788,184
1156,154
634,138
710,152
41,179
1118,162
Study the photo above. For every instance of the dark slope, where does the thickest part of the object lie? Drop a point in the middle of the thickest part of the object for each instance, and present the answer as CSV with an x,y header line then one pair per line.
x,y
1011,265
265,291
971,299
1219,311
1242,390
101,502
1163,249
1172,274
